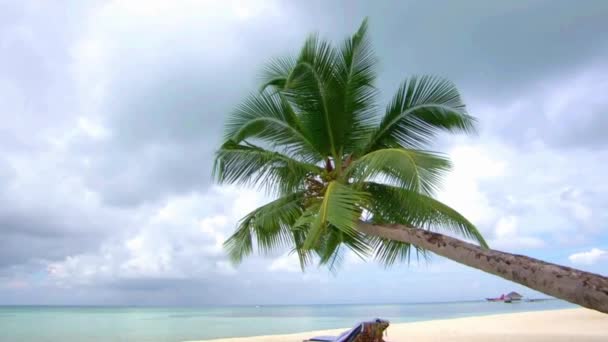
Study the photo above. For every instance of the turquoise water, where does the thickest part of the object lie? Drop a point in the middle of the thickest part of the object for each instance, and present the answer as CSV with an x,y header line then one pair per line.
x,y
70,324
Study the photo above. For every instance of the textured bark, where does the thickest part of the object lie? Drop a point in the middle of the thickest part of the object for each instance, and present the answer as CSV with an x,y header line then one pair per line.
x,y
583,288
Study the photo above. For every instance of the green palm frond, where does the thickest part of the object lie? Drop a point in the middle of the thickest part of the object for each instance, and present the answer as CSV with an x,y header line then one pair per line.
x,y
300,230
340,208
269,226
412,169
388,252
422,107
312,86
329,248
270,118
390,204
356,70
254,166
276,73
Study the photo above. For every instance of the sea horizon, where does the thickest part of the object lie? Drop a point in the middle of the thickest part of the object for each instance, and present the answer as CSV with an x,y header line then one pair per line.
x,y
69,323
259,304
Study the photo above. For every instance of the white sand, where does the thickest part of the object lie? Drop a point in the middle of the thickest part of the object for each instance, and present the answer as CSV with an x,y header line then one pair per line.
x,y
553,326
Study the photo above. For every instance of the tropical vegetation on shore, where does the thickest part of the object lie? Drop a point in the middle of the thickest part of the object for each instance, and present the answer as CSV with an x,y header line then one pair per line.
x,y
346,175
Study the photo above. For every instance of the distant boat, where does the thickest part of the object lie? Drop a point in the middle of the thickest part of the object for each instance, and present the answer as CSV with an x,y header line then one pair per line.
x,y
497,299
494,300
511,297
514,296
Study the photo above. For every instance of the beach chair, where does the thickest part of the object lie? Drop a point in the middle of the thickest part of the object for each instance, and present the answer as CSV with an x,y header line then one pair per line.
x,y
371,331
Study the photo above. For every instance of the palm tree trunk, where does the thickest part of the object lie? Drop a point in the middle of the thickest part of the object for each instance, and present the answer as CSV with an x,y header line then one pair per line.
x,y
583,288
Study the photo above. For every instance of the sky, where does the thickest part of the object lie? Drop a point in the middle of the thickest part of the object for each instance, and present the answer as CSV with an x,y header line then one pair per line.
x,y
111,112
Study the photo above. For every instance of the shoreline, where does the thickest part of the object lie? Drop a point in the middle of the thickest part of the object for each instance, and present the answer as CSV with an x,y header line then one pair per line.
x,y
548,325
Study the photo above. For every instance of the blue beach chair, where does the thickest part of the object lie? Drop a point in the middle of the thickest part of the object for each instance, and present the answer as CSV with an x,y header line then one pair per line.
x,y
371,331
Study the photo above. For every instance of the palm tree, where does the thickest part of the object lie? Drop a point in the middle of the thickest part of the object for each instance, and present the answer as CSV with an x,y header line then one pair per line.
x,y
348,177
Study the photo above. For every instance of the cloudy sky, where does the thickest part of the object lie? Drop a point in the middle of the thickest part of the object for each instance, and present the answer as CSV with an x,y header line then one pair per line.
x,y
111,111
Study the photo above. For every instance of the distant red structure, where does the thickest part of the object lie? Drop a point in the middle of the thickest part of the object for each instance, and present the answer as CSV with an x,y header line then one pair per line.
x,y
512,296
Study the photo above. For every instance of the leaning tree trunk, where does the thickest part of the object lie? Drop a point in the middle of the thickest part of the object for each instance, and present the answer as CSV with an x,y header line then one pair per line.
x,y
583,288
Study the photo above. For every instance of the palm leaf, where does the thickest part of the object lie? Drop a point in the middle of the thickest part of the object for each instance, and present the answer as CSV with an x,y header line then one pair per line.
x,y
422,107
415,170
254,166
330,251
276,73
270,226
328,247
388,252
270,118
313,88
300,230
390,204
356,74
340,208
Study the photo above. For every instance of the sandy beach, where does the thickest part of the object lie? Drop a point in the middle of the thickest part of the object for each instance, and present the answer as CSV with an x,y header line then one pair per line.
x,y
554,326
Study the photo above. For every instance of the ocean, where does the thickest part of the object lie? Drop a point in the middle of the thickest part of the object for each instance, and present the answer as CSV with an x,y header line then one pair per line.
x,y
155,324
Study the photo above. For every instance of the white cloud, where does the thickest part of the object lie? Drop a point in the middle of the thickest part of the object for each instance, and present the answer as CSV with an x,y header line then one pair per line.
x,y
507,235
572,91
478,168
93,129
182,239
510,195
150,31
225,267
590,257
286,263
574,200
352,259
506,227
462,189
